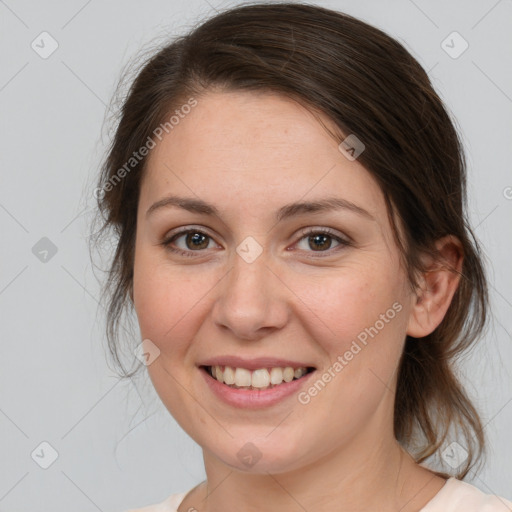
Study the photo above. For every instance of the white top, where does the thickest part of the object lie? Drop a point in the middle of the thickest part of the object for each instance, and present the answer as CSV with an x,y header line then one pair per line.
x,y
454,496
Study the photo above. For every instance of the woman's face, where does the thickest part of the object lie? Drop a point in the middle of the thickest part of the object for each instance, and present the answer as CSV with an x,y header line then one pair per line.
x,y
256,278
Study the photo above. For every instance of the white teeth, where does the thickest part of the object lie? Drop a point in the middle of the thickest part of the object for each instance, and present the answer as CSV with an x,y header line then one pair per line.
x,y
288,374
299,372
276,376
229,375
259,379
242,377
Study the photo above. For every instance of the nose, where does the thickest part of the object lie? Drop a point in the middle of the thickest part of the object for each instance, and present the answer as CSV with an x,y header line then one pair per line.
x,y
251,300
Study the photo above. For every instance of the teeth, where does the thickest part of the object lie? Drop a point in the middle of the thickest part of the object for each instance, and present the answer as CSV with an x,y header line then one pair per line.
x,y
258,379
229,375
288,374
242,377
299,372
276,376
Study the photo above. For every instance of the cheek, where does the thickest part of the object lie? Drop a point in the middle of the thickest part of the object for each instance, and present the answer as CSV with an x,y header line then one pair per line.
x,y
169,303
343,303
358,318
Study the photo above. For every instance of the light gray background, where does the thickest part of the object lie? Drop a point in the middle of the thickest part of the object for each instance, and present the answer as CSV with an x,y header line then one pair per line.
x,y
117,446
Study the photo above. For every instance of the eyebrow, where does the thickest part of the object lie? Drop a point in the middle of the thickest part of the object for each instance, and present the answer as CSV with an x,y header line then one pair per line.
x,y
290,210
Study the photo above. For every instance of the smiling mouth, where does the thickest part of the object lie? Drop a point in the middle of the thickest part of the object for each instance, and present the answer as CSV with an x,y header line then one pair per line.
x,y
263,378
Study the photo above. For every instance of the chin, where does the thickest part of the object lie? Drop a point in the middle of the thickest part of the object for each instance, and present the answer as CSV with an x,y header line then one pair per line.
x,y
260,455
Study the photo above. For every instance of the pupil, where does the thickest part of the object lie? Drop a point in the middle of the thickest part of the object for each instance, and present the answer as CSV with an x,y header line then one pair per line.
x,y
196,237
320,236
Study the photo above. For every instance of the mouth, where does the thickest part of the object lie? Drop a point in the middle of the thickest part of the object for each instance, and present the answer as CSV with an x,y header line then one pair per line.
x,y
258,379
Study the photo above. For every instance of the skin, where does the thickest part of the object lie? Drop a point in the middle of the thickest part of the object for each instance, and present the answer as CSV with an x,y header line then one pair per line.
x,y
250,154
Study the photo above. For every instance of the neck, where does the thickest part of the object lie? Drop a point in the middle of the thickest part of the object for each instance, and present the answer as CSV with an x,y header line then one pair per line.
x,y
386,478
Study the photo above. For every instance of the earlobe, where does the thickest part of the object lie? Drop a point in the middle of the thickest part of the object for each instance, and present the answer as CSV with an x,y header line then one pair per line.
x,y
437,287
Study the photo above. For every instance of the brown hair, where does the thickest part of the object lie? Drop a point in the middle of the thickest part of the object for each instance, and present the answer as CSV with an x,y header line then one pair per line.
x,y
371,86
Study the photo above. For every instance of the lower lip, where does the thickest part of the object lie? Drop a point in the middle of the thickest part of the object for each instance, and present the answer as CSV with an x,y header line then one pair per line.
x,y
257,398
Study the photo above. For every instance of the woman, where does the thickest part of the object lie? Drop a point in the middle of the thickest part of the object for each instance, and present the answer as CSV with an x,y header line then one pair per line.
x,y
288,193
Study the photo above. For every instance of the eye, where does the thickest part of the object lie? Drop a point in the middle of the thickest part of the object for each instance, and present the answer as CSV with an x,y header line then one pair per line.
x,y
194,240
320,240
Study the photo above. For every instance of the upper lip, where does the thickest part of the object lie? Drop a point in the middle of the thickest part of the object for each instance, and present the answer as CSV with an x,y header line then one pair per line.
x,y
254,363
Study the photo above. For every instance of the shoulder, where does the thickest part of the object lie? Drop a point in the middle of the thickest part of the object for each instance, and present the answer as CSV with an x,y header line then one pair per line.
x,y
170,504
457,495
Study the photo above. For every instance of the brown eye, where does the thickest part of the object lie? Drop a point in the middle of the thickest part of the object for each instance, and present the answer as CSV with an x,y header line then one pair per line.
x,y
321,240
194,240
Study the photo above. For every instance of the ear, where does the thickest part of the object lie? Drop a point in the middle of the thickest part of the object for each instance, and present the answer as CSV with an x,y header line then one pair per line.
x,y
437,287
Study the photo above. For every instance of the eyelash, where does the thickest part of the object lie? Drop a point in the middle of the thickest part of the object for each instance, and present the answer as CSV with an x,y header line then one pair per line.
x,y
304,234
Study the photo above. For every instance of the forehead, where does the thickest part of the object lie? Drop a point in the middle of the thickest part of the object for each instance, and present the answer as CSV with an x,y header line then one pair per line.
x,y
261,148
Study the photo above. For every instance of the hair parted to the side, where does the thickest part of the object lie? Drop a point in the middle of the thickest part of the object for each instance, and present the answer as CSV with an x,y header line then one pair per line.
x,y
368,84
